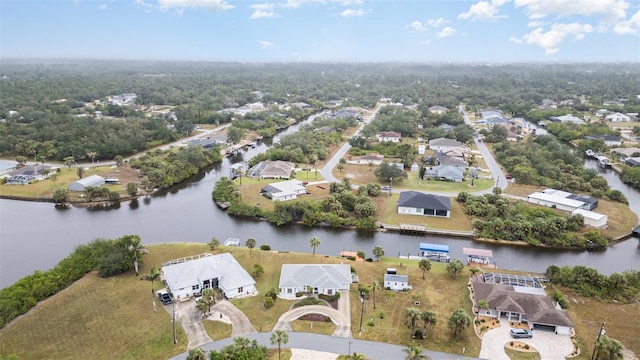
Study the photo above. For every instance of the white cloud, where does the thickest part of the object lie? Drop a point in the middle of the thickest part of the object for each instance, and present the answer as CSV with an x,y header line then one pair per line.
x,y
265,45
550,40
535,24
213,5
298,3
425,42
437,22
446,32
102,7
631,26
263,11
352,12
610,10
483,10
417,26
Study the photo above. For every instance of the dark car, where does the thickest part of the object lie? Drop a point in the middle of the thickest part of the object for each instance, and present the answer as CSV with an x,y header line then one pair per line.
x,y
509,176
521,334
164,297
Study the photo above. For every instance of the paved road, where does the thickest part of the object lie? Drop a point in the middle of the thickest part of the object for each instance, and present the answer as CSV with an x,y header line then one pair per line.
x,y
338,345
327,169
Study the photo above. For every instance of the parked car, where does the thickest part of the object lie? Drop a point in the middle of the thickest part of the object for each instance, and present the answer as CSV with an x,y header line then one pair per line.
x,y
521,334
164,297
508,176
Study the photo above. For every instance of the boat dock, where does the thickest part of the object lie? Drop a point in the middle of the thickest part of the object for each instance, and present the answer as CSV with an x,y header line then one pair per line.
x,y
232,242
423,229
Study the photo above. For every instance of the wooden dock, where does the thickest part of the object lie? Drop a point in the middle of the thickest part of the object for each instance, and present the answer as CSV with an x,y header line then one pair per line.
x,y
423,229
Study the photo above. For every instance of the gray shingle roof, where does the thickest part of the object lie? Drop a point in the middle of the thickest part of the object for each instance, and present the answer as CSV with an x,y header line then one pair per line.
x,y
420,200
334,276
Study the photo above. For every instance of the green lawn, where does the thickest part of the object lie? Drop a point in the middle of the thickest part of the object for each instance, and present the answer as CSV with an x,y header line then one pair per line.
x,y
113,318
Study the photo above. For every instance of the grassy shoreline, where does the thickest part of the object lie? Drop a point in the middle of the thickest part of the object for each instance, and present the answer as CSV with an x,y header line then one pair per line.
x,y
113,317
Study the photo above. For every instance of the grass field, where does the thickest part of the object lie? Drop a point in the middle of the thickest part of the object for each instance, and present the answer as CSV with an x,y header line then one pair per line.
x,y
113,318
217,330
44,189
316,327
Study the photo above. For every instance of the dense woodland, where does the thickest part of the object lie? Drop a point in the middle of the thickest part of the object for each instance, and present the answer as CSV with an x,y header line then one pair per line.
x,y
47,128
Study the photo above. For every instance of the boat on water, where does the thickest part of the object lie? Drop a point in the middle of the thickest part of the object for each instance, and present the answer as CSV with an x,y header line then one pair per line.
x,y
232,242
435,252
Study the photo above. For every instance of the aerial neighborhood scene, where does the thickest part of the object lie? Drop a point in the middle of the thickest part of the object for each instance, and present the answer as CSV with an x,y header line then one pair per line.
x,y
320,179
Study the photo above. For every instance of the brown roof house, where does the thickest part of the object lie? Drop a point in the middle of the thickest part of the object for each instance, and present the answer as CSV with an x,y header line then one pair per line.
x,y
523,304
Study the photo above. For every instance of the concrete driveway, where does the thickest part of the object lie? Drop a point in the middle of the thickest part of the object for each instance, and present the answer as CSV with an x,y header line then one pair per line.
x,y
340,317
549,345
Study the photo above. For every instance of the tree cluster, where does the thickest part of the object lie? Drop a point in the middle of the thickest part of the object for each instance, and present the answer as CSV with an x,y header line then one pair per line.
x,y
498,218
589,282
163,169
240,349
631,176
572,131
109,256
544,161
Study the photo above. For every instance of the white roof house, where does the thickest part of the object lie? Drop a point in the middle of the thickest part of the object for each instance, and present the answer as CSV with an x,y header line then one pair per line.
x,y
592,218
396,282
80,185
326,279
188,276
617,117
442,144
553,200
385,136
567,118
284,190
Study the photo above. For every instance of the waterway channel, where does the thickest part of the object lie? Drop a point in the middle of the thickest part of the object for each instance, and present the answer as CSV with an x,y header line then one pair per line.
x,y
35,236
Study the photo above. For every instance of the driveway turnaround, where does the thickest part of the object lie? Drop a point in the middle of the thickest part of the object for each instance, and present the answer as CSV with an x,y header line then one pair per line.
x,y
549,345
340,317
337,345
240,321
189,317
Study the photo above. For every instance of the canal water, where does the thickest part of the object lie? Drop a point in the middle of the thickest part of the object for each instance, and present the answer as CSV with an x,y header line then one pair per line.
x,y
35,236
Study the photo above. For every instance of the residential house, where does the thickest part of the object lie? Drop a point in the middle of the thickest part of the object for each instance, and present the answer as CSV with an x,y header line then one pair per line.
x,y
417,203
188,276
327,279
391,136
258,94
567,118
284,190
617,117
568,102
374,159
422,149
609,140
93,181
300,105
446,173
206,143
548,104
511,136
438,109
324,129
25,174
626,152
394,281
562,200
446,127
272,169
602,113
613,103
450,158
522,304
443,144
123,99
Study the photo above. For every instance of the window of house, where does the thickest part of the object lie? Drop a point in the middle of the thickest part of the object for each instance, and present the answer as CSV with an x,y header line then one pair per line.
x,y
329,292
240,289
195,287
289,291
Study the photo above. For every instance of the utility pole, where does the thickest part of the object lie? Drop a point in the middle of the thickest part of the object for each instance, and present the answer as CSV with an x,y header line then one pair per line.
x,y
361,313
600,333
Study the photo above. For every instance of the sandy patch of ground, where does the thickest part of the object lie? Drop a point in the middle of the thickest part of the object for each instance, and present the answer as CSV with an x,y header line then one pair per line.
x,y
303,354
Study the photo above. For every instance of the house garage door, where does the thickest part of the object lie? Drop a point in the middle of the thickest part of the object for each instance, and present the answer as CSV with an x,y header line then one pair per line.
x,y
549,328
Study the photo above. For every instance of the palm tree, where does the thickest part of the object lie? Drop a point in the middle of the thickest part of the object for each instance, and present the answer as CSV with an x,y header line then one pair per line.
x,y
356,356
210,295
378,252
414,352
425,265
197,354
458,321
251,243
136,249
608,349
279,337
315,242
412,315
375,285
429,319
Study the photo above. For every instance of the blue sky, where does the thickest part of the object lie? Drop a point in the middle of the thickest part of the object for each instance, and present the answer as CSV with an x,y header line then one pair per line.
x,y
496,31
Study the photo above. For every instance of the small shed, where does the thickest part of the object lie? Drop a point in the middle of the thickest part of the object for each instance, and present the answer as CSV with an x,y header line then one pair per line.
x,y
80,185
